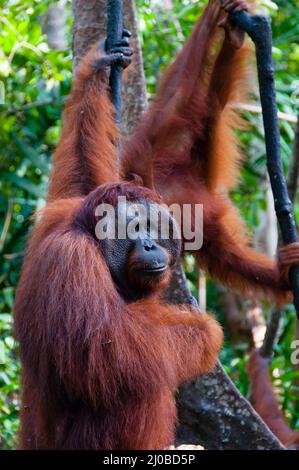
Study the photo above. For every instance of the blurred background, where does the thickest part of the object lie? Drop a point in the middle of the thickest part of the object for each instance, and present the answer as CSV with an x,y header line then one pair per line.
x,y
35,79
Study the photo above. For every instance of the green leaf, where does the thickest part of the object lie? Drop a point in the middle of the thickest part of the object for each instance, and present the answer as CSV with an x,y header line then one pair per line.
x,y
24,183
8,293
32,155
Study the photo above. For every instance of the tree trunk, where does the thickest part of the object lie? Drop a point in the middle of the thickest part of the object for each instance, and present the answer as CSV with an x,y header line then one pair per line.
x,y
211,410
55,26
89,27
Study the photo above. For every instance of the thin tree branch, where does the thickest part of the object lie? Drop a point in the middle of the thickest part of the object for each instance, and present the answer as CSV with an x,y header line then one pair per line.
x,y
259,29
274,321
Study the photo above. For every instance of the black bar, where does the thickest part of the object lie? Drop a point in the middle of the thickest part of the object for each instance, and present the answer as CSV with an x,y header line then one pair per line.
x,y
259,29
114,33
147,459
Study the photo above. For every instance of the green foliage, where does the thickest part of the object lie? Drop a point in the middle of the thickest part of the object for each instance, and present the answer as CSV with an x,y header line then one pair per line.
x,y
34,82
9,373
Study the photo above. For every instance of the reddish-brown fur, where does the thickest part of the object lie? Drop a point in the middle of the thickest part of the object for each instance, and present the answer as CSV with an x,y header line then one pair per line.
x,y
187,135
83,158
265,401
99,373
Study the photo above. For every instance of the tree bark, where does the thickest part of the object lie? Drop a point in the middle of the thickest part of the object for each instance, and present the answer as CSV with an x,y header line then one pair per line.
x,y
211,410
89,27
134,95
55,26
272,331
293,171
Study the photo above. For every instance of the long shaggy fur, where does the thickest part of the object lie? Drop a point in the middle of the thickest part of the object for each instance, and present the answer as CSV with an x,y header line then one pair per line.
x,y
187,138
97,372
85,155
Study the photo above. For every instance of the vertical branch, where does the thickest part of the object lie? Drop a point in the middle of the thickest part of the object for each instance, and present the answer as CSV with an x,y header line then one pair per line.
x,y
259,29
271,333
90,25
293,171
114,33
92,21
275,315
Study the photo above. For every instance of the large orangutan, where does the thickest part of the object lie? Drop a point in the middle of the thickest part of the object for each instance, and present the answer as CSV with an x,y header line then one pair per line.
x,y
101,353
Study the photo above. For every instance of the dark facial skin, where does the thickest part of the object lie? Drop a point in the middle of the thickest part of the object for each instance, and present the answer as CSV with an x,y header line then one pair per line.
x,y
141,266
